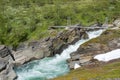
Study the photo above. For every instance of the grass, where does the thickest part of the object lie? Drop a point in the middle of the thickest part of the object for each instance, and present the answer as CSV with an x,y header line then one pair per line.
x,y
101,72
106,36
30,19
97,73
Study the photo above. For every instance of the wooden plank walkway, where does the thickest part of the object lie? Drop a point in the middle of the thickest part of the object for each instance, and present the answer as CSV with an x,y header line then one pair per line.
x,y
57,27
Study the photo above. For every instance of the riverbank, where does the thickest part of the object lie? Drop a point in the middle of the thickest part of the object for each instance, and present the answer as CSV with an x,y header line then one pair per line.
x,y
37,50
107,71
92,69
48,47
25,33
51,67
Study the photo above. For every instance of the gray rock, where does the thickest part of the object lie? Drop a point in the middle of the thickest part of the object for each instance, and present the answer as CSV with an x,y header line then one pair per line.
x,y
72,64
8,73
3,64
11,75
3,51
85,59
75,57
48,47
21,47
115,43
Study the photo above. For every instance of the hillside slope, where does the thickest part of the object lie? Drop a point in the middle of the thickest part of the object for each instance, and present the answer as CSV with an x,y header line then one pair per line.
x,y
27,20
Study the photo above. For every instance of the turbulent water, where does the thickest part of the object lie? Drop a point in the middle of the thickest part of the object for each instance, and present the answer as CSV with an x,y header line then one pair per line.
x,y
51,67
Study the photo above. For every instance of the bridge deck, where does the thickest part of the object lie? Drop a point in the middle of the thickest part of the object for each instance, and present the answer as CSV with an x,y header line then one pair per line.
x,y
78,27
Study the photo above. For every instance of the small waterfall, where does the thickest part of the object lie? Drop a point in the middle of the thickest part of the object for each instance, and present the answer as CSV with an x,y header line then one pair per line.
x,y
51,67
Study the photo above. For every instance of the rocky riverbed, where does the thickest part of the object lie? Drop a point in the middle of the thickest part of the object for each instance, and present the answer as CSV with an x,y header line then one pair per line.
x,y
108,41
27,52
50,46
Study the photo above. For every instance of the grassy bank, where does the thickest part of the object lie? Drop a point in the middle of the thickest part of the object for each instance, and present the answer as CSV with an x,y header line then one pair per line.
x,y
102,72
26,20
105,37
109,71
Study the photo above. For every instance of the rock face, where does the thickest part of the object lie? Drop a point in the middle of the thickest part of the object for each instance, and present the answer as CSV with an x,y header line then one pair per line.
x,y
3,51
47,47
108,41
3,64
36,50
6,59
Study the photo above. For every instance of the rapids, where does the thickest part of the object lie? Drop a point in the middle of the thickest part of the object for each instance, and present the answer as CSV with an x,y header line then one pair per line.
x,y
51,67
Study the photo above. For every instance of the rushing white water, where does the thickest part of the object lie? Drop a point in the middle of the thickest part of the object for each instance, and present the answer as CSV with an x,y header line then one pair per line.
x,y
115,54
51,67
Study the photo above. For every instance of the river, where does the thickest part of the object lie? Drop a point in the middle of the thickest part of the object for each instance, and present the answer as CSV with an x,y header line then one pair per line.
x,y
51,67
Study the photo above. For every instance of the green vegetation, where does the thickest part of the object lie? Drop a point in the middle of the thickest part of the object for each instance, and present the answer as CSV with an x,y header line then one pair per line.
x,y
106,36
22,20
103,72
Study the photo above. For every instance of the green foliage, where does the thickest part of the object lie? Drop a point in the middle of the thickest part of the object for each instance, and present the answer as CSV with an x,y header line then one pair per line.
x,y
106,36
22,20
